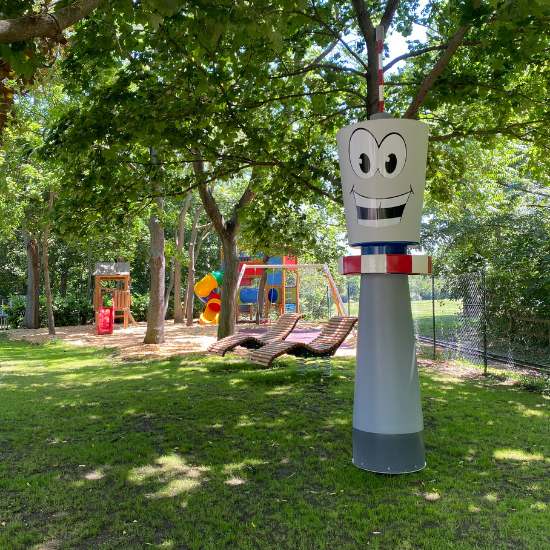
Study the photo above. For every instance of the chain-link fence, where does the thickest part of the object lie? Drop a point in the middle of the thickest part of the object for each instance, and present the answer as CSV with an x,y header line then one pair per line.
x,y
453,317
481,317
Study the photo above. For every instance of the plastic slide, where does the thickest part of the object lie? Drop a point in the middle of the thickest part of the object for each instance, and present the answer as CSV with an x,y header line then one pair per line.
x,y
207,284
211,313
204,289
106,319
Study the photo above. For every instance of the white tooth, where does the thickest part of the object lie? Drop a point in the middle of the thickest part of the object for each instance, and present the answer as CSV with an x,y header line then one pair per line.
x,y
395,201
366,202
379,223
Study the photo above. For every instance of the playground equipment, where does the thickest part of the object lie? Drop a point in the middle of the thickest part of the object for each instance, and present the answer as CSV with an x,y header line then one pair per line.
x,y
205,290
383,168
106,319
256,269
282,289
118,272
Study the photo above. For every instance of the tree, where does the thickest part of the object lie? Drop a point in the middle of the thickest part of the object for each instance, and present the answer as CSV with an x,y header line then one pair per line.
x,y
44,24
238,92
498,220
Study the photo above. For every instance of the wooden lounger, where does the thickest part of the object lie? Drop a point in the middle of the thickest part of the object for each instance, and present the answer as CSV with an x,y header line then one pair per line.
x,y
325,345
282,327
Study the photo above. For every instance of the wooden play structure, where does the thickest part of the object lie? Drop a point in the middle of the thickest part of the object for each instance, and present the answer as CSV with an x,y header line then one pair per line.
x,y
282,290
118,272
334,290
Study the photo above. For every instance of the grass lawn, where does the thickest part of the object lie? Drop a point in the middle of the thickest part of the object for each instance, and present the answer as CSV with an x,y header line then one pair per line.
x,y
446,318
195,453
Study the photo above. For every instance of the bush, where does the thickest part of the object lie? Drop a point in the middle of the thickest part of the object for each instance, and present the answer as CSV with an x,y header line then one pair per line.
x,y
15,312
69,311
140,304
537,384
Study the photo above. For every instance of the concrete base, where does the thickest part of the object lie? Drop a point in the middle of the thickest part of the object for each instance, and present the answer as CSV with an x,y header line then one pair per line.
x,y
388,453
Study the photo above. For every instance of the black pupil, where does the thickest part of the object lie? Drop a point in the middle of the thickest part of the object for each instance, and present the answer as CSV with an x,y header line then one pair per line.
x,y
391,163
365,163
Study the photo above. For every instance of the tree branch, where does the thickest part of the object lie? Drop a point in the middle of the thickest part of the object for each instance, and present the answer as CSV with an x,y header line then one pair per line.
x,y
437,69
46,25
364,20
245,200
335,34
422,52
389,12
506,130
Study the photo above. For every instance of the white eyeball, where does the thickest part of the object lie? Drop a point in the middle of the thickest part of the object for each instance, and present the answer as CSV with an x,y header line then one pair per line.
x,y
392,155
363,153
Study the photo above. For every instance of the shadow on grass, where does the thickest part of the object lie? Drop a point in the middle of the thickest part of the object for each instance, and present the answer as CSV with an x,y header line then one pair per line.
x,y
197,452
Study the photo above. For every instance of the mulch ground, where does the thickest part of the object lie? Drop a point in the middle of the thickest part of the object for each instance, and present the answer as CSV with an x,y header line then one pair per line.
x,y
180,339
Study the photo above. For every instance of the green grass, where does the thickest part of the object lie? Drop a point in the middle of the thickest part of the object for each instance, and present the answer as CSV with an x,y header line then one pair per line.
x,y
446,323
446,319
197,453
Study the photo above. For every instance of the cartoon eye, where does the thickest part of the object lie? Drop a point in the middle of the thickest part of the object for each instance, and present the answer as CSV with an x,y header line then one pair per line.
x,y
363,153
392,155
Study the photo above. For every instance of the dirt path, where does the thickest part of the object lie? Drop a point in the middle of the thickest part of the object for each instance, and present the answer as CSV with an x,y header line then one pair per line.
x,y
180,339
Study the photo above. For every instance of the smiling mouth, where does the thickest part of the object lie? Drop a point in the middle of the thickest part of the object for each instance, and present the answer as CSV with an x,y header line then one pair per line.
x,y
380,212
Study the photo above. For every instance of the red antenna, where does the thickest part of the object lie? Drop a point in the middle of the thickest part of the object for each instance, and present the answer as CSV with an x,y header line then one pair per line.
x,y
380,40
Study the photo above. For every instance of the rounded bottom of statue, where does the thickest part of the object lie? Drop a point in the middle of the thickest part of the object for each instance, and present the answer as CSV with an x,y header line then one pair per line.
x,y
388,453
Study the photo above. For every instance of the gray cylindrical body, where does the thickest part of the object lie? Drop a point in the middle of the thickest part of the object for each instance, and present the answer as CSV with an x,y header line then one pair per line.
x,y
388,429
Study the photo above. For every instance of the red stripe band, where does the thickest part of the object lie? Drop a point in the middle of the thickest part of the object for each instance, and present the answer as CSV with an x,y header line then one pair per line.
x,y
406,264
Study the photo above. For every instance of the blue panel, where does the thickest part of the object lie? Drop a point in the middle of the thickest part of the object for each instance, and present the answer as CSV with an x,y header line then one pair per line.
x,y
275,279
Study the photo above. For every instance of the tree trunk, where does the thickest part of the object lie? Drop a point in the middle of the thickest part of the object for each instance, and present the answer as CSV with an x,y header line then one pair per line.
x,y
155,313
186,298
44,24
178,310
229,291
190,293
191,269
227,232
32,311
261,291
89,285
47,286
64,279
170,286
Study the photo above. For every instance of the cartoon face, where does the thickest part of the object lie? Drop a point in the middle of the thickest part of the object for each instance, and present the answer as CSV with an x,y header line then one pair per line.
x,y
383,165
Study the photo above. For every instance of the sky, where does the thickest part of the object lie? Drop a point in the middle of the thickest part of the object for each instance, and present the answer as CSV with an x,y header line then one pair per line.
x,y
398,44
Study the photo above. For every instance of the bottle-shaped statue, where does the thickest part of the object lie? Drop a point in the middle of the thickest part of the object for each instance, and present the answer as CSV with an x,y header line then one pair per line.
x,y
383,167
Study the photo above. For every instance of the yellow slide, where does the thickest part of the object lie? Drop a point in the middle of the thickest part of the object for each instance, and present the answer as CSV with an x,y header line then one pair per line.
x,y
204,289
211,313
205,286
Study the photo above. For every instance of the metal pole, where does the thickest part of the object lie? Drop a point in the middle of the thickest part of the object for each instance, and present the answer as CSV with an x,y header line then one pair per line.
x,y
484,322
433,309
328,302
349,306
